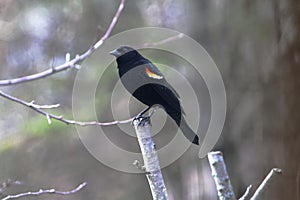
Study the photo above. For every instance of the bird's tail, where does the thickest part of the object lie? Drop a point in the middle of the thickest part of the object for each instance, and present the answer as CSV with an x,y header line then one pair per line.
x,y
188,132
185,128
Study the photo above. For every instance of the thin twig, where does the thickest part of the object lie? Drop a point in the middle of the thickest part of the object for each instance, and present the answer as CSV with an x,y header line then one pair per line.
x,y
44,106
70,63
48,191
164,41
265,187
9,182
246,195
139,165
50,116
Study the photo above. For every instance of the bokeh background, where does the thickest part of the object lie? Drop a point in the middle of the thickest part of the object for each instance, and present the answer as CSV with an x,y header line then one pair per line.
x,y
255,44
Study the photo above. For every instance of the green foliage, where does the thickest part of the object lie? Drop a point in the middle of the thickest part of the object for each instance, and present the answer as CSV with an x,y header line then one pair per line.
x,y
38,126
6,144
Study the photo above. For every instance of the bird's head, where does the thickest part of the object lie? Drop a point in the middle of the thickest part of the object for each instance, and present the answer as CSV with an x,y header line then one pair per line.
x,y
121,51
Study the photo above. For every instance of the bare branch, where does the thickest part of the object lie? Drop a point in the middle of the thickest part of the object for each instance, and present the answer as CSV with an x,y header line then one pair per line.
x,y
164,41
70,63
246,195
263,190
220,175
44,106
48,191
9,182
49,116
151,163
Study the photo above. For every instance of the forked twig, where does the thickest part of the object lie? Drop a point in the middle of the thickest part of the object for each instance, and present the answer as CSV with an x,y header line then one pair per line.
x,y
47,191
49,116
70,63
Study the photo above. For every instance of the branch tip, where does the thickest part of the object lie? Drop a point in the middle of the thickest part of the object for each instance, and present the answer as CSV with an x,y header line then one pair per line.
x,y
77,66
47,191
139,165
68,57
48,119
246,194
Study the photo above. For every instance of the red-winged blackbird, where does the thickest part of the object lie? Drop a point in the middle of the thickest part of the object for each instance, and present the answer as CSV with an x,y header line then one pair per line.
x,y
146,83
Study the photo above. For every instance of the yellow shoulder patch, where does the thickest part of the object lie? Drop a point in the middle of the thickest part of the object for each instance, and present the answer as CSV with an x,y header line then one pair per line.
x,y
153,75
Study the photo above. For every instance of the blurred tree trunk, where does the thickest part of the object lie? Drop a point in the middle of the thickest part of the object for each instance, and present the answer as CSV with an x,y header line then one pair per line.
x,y
283,115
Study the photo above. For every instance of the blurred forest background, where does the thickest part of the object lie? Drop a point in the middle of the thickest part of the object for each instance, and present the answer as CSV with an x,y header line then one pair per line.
x,y
255,44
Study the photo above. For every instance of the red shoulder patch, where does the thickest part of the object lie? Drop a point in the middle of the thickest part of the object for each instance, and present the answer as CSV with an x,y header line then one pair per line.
x,y
153,75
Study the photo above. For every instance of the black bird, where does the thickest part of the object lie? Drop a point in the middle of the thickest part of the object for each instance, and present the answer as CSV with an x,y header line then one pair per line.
x,y
146,83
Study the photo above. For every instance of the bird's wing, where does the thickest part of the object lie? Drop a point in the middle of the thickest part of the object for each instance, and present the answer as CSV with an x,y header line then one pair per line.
x,y
168,96
153,72
162,87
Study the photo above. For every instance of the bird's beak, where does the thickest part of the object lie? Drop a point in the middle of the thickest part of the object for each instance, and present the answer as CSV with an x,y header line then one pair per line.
x,y
115,52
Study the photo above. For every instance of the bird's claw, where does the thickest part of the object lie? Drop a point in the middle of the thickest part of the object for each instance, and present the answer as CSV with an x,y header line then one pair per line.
x,y
141,120
140,117
136,118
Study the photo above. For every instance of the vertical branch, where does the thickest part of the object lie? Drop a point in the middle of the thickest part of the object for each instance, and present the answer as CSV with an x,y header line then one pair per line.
x,y
221,178
142,127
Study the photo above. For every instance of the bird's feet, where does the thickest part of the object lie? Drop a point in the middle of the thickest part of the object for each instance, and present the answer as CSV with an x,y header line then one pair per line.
x,y
140,116
141,120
